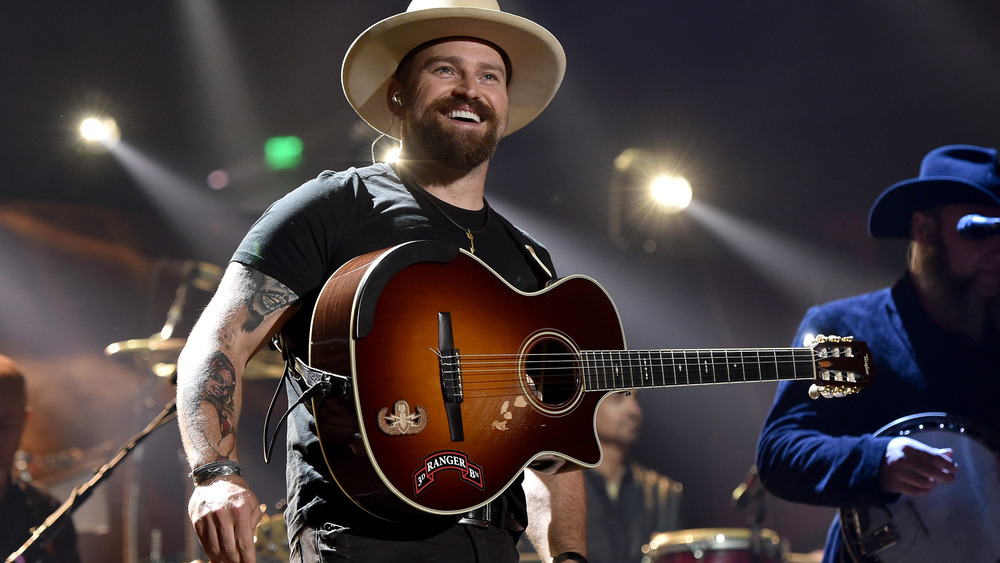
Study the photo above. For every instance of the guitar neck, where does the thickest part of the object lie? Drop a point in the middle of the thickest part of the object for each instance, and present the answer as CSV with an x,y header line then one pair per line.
x,y
616,370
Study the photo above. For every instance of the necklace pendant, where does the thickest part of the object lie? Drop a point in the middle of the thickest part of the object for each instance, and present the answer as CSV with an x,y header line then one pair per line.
x,y
472,241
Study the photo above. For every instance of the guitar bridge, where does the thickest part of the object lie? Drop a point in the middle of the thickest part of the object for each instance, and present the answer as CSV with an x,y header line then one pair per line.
x,y
451,377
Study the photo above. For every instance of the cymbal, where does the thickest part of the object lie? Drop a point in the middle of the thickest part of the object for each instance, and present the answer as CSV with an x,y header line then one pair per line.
x,y
159,355
46,470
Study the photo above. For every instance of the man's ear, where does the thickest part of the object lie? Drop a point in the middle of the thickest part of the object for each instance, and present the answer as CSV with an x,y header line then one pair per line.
x,y
924,228
394,99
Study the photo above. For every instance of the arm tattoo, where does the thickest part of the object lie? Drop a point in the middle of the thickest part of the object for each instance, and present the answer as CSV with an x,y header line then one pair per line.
x,y
219,392
269,295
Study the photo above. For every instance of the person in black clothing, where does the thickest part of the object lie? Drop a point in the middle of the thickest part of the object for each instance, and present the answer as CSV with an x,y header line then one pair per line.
x,y
449,79
627,503
23,506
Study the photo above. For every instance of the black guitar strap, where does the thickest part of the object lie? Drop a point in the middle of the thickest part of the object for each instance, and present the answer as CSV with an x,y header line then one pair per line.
x,y
314,383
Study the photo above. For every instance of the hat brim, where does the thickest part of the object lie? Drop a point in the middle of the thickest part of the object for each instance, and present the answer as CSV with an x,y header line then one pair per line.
x,y
537,60
892,213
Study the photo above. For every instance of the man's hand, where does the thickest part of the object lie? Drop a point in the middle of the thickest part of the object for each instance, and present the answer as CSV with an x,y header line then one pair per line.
x,y
914,468
225,513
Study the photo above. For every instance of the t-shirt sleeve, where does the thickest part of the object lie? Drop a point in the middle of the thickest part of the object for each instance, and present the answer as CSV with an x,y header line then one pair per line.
x,y
295,238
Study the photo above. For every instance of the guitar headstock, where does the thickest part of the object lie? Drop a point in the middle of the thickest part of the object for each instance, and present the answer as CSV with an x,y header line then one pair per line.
x,y
843,366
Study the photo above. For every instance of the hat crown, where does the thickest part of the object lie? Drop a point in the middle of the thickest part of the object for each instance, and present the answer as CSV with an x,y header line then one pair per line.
x,y
416,5
973,164
948,175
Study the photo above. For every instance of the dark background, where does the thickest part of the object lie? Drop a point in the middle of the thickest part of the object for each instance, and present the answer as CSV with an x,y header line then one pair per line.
x,y
787,117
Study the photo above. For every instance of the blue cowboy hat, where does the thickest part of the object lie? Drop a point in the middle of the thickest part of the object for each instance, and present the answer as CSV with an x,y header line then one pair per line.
x,y
949,174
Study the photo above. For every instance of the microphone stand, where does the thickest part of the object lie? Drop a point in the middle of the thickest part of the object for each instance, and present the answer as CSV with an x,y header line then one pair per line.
x,y
54,522
751,492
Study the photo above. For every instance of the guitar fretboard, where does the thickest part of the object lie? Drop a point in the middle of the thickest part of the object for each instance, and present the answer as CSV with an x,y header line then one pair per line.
x,y
606,370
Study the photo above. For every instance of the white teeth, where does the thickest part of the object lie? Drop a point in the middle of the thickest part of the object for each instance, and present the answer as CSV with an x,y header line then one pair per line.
x,y
463,114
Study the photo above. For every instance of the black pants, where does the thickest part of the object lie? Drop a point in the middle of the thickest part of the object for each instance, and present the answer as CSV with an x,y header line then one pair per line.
x,y
460,543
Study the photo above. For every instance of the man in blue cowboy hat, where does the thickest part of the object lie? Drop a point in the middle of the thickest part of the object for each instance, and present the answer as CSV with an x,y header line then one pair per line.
x,y
449,79
936,346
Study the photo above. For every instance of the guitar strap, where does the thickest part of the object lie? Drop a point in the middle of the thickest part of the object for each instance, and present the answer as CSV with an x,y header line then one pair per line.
x,y
541,264
314,383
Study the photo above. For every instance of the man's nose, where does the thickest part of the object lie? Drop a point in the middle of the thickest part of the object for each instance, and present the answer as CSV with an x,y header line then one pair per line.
x,y
467,87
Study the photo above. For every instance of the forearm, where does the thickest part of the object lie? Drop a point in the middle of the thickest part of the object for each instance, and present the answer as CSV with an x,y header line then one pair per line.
x,y
557,512
241,317
208,424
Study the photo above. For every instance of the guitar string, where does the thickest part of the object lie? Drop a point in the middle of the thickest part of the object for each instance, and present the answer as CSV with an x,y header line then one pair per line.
x,y
504,365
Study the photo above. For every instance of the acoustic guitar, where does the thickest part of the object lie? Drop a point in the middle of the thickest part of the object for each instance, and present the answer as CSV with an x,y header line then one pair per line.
x,y
456,381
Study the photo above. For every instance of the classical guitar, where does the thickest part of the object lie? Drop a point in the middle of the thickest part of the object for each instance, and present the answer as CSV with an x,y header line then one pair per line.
x,y
458,381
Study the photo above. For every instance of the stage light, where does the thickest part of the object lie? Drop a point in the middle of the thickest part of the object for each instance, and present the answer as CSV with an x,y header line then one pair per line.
x,y
283,153
672,193
647,194
391,154
100,132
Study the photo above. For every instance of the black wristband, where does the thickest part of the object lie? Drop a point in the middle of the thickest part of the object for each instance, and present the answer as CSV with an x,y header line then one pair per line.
x,y
568,556
214,469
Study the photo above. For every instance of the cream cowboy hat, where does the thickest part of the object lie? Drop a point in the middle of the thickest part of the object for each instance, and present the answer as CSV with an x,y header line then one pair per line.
x,y
537,60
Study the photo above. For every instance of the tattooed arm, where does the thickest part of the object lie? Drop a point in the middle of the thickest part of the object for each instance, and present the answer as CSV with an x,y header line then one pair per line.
x,y
246,310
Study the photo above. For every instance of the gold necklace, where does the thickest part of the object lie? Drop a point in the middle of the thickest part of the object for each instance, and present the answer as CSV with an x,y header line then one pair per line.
x,y
468,231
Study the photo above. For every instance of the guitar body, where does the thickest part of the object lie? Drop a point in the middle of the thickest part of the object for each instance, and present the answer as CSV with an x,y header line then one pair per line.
x,y
959,521
394,446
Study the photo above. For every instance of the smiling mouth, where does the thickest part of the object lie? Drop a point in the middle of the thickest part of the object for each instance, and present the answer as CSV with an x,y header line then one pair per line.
x,y
464,116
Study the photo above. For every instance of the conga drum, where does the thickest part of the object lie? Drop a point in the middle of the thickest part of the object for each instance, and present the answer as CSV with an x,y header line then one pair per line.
x,y
715,545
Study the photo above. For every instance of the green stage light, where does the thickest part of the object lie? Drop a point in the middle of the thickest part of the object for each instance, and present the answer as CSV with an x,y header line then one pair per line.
x,y
283,153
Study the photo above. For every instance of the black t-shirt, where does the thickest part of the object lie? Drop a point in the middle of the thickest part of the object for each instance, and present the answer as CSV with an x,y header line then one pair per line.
x,y
304,237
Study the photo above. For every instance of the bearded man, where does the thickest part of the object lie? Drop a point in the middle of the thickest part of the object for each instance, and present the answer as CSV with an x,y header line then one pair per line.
x,y
449,79
936,347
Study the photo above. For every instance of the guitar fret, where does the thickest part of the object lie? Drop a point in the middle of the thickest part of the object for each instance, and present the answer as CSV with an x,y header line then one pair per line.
x,y
767,367
623,368
695,368
618,371
661,380
629,375
646,365
737,366
729,376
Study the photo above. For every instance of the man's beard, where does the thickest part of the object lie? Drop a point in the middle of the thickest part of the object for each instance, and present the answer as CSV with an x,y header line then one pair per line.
x,y
980,317
429,139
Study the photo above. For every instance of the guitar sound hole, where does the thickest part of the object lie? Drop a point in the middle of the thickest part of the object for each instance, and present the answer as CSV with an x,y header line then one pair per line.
x,y
552,373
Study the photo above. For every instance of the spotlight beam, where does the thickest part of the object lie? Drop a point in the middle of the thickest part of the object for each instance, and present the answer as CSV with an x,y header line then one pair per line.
x,y
206,224
803,272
